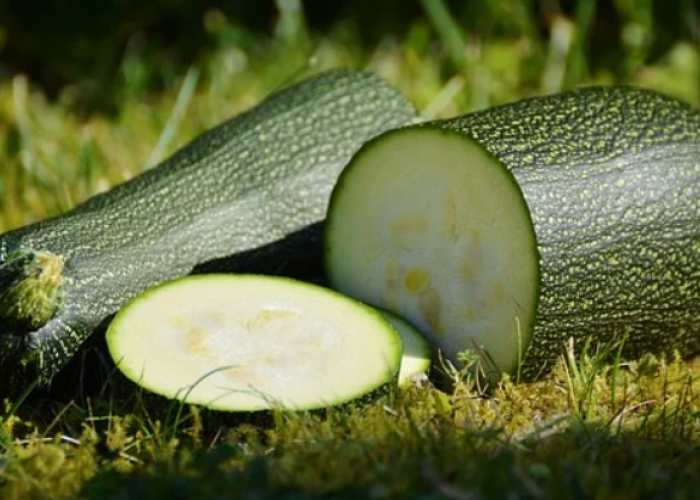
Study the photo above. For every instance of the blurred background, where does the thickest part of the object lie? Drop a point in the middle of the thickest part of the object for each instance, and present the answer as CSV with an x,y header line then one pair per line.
x,y
93,92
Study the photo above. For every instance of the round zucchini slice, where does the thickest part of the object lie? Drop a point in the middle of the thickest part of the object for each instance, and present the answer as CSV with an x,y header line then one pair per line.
x,y
416,349
249,343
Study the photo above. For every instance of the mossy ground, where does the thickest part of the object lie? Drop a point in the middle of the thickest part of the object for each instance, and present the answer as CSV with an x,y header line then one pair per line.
x,y
589,430
597,427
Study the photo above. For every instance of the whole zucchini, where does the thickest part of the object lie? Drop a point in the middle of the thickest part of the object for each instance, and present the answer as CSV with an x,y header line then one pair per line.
x,y
243,184
510,230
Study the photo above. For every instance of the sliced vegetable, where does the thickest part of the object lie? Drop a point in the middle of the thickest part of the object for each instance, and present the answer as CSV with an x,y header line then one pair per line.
x,y
249,342
415,362
510,230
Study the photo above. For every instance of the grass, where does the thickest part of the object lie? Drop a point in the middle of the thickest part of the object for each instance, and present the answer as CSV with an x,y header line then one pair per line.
x,y
597,427
580,433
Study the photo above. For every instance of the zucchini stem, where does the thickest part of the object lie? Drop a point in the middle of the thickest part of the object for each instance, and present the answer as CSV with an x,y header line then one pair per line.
x,y
31,289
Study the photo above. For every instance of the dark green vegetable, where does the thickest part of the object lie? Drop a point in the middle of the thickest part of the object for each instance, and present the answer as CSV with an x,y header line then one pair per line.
x,y
511,230
242,185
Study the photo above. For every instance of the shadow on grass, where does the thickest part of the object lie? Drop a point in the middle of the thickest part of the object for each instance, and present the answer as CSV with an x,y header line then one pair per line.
x,y
584,461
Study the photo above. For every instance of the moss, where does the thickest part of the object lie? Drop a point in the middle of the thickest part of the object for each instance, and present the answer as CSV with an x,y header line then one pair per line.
x,y
531,438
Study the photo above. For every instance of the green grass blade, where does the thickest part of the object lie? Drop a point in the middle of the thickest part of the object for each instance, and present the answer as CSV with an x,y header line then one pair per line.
x,y
448,30
187,89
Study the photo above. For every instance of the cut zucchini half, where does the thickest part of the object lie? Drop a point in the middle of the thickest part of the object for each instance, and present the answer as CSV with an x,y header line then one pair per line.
x,y
426,223
416,349
249,343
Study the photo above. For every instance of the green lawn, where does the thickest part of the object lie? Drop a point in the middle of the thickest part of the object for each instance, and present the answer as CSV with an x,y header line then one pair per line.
x,y
597,427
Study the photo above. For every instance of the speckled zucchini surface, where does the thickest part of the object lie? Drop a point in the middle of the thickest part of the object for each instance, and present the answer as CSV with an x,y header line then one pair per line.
x,y
244,184
516,228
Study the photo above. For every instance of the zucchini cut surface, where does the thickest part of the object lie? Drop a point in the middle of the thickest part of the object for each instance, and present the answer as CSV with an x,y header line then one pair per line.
x,y
248,343
427,224
416,349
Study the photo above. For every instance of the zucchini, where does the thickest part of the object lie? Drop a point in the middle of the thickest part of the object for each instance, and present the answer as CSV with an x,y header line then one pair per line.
x,y
244,184
510,230
415,362
245,343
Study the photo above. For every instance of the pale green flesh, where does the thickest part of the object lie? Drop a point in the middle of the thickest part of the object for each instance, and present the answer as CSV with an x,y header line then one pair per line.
x,y
427,225
247,343
416,350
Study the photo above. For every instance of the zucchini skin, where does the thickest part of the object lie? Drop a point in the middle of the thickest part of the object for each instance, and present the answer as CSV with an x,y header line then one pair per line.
x,y
241,185
611,176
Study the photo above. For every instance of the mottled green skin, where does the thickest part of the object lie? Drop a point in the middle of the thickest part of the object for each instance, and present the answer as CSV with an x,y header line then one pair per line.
x,y
241,185
611,176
